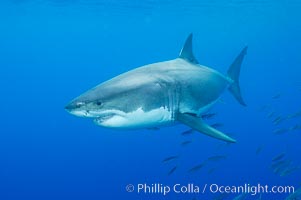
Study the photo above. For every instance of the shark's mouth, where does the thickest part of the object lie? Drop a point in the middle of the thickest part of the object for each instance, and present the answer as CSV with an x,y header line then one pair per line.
x,y
134,119
107,115
104,117
81,113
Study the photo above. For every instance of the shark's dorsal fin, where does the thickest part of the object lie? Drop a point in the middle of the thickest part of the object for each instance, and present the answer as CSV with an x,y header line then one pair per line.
x,y
186,52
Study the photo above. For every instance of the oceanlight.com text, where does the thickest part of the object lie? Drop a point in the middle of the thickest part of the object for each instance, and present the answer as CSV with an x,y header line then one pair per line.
x,y
190,188
251,189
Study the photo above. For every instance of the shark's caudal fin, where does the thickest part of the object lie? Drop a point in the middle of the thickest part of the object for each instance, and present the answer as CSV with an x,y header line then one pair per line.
x,y
197,124
186,52
233,73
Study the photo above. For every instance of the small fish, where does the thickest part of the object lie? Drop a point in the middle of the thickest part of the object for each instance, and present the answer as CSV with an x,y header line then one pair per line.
x,y
280,131
289,170
188,132
221,196
211,170
170,158
295,196
278,120
276,96
280,163
295,115
271,114
216,125
295,127
196,168
223,145
278,170
281,166
279,157
242,196
264,107
216,158
259,149
208,115
260,197
186,142
172,171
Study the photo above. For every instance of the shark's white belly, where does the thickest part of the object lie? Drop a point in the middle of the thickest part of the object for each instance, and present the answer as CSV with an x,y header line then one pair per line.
x,y
137,119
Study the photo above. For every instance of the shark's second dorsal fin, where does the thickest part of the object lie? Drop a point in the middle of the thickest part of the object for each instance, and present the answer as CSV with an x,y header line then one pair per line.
x,y
186,52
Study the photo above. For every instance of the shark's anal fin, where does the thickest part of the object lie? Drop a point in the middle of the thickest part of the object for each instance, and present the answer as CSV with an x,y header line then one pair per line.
x,y
199,125
233,73
186,52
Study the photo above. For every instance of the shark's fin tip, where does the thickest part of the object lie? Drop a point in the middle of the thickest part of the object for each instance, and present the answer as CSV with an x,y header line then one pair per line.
x,y
186,52
197,124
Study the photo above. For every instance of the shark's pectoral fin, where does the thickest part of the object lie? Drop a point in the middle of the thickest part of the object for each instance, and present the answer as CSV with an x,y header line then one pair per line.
x,y
199,125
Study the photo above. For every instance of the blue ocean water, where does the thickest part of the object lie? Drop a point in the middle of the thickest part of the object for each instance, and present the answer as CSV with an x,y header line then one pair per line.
x,y
53,50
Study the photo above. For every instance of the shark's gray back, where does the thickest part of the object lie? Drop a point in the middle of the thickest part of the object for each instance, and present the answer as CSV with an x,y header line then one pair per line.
x,y
177,84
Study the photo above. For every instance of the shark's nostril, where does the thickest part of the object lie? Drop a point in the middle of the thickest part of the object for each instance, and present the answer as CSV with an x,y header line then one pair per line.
x,y
68,107
72,106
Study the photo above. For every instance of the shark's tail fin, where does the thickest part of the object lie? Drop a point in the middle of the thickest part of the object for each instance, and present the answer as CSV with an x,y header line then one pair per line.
x,y
233,73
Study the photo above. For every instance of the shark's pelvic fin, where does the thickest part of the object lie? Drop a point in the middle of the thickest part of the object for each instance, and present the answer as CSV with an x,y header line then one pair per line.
x,y
197,124
186,52
233,73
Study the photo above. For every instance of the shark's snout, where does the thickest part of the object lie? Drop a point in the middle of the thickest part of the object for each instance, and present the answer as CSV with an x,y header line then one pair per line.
x,y
69,107
73,106
82,109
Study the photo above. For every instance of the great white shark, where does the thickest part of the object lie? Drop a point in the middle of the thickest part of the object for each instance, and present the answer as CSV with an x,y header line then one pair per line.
x,y
159,94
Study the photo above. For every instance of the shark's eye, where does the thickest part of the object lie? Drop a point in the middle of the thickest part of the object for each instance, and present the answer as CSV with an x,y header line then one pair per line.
x,y
98,103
